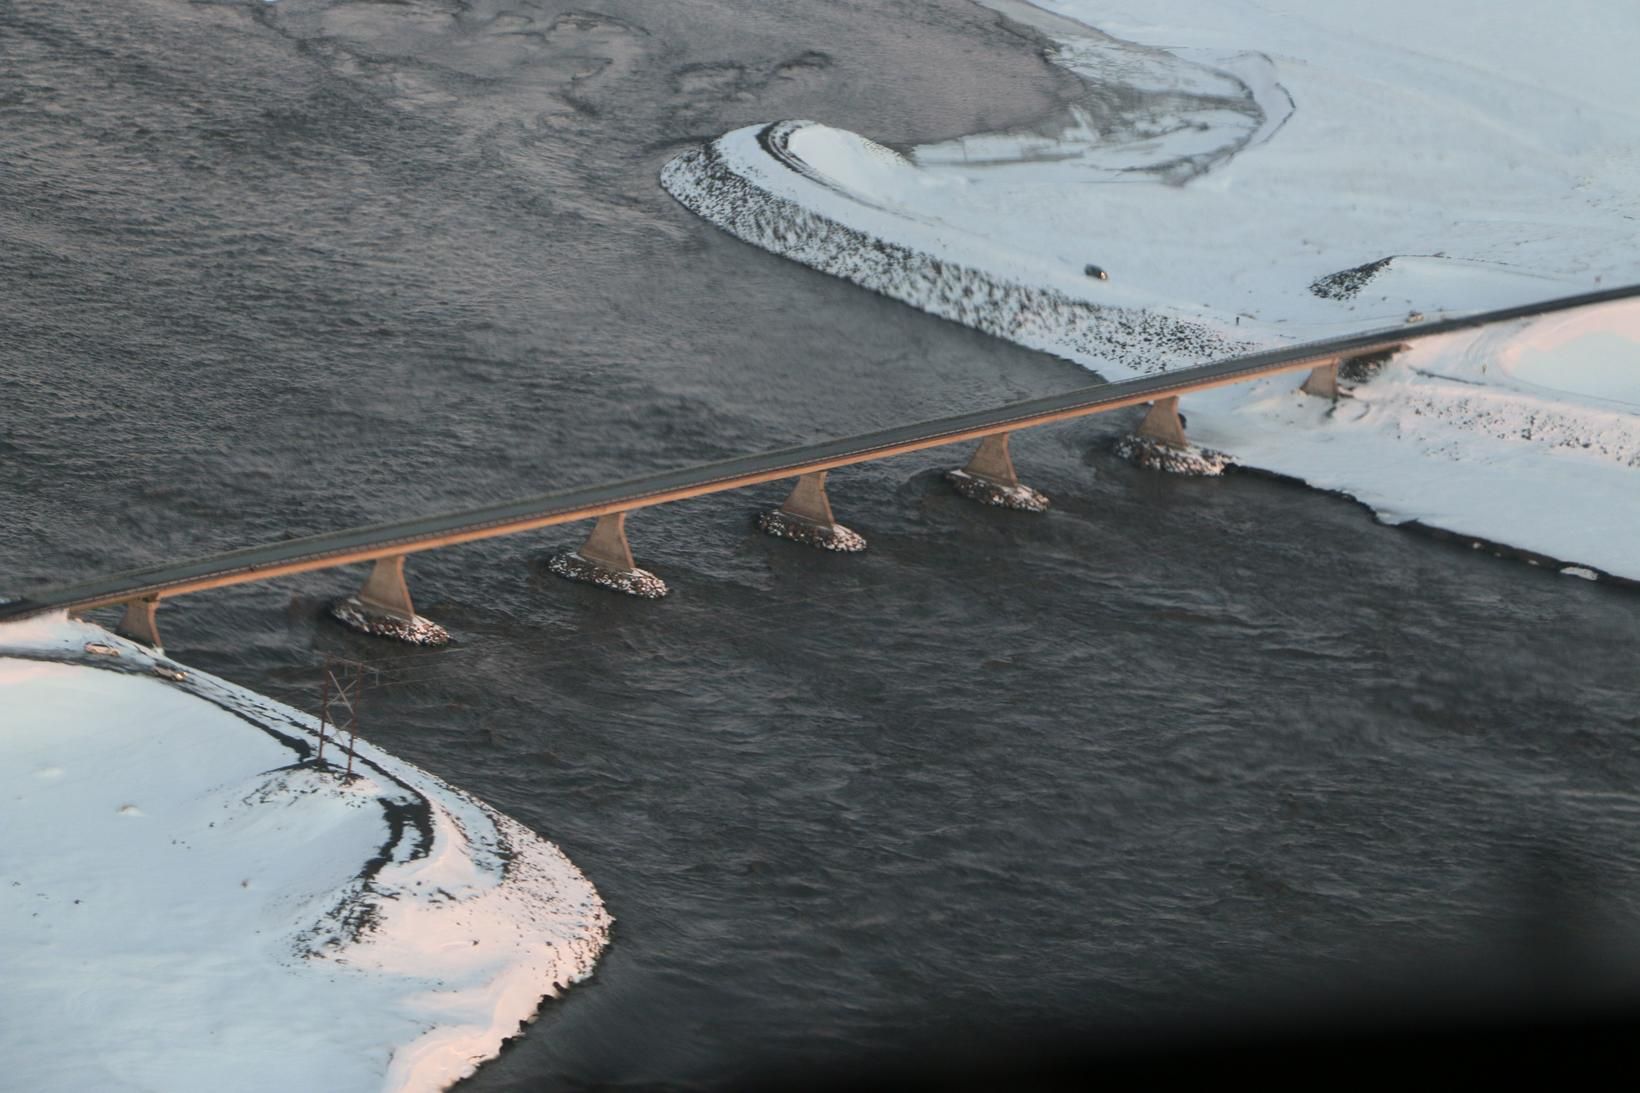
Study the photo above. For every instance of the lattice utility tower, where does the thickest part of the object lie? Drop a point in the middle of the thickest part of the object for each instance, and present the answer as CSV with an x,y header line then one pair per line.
x,y
341,687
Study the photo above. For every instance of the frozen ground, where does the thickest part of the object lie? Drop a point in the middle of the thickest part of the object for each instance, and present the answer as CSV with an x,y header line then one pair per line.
x,y
1250,173
1526,435
186,904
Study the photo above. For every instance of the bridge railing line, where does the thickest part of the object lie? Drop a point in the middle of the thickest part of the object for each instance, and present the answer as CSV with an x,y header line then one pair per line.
x,y
391,541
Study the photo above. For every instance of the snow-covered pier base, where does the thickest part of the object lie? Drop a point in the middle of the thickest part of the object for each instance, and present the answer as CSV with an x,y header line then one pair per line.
x,y
1019,497
990,479
190,903
1159,444
806,518
1156,455
634,582
383,608
416,630
605,560
783,525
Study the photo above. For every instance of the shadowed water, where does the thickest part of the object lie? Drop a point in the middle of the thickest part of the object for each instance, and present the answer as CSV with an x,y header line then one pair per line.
x,y
1174,748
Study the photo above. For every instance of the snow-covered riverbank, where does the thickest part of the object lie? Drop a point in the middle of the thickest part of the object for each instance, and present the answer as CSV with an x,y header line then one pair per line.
x,y
1523,435
1242,175
187,903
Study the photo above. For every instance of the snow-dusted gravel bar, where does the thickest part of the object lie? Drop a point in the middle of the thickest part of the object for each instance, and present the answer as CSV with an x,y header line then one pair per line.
x,y
188,903
1245,173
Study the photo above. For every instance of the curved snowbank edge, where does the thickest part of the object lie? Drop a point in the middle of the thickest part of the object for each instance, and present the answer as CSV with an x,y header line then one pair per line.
x,y
709,182
463,918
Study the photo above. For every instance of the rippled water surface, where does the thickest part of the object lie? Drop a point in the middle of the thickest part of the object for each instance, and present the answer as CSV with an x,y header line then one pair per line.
x,y
1172,749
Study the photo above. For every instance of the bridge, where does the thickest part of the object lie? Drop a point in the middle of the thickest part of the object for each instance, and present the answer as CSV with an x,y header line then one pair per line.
x,y
383,605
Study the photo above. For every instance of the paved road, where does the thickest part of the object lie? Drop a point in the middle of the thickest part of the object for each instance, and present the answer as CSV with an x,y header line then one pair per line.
x,y
506,518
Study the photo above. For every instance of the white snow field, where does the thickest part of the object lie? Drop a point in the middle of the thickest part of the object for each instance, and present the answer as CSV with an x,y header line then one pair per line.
x,y
184,907
1249,173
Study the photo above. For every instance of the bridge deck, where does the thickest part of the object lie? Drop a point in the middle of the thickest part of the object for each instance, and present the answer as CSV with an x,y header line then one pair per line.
x,y
505,518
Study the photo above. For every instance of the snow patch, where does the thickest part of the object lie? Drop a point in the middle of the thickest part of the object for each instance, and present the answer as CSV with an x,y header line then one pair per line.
x,y
188,903
1551,474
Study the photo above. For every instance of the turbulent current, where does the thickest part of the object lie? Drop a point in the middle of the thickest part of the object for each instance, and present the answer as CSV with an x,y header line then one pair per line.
x,y
1175,749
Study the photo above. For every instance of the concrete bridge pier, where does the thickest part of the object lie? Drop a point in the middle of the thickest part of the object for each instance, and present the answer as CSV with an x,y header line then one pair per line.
x,y
1160,444
382,607
605,559
990,478
806,518
1163,424
1322,381
140,622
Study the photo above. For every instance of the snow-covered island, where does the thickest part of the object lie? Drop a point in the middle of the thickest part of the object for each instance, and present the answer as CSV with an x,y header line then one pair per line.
x,y
192,904
1246,174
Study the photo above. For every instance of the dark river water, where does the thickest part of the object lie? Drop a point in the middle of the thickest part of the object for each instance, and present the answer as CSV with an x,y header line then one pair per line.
x,y
1176,752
